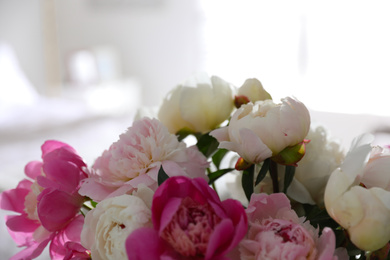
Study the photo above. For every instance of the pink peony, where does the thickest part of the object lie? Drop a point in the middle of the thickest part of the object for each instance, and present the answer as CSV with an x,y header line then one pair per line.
x,y
137,157
48,206
276,232
189,222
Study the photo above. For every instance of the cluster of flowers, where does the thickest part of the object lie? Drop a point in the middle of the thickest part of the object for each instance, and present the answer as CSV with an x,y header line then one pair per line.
x,y
152,195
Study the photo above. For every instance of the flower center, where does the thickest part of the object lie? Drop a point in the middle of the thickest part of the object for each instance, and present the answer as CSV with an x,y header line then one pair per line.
x,y
190,228
30,203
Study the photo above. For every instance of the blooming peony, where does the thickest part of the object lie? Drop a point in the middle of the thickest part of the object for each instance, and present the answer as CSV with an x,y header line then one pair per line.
x,y
189,222
199,105
263,129
357,195
109,224
137,157
276,232
48,207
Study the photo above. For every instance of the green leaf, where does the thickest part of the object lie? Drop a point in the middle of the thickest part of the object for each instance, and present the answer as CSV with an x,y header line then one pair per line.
x,y
263,171
183,133
218,156
162,176
247,181
288,176
213,176
207,144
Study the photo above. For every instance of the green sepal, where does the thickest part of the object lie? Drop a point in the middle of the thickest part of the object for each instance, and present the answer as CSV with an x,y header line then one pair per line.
x,y
207,145
247,181
288,176
218,156
291,154
263,171
162,176
213,176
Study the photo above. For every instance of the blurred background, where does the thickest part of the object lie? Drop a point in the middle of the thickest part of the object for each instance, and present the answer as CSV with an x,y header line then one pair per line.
x,y
78,70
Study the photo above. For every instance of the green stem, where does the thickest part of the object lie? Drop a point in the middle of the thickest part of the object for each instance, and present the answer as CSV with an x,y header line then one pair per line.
x,y
273,171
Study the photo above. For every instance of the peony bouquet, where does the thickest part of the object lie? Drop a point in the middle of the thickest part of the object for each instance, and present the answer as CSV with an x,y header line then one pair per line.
x,y
219,172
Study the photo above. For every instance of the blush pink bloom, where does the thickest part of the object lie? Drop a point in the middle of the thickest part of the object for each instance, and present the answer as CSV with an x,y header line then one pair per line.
x,y
48,204
189,222
136,159
276,232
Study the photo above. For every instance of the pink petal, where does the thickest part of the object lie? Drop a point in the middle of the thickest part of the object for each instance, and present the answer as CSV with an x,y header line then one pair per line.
x,y
144,243
172,169
95,190
262,206
167,213
71,233
326,244
236,213
21,223
219,242
32,251
64,154
56,208
52,145
13,199
65,175
33,169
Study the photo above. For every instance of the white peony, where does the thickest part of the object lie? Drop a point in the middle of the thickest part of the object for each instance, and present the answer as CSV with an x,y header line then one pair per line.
x,y
263,129
357,195
199,105
107,226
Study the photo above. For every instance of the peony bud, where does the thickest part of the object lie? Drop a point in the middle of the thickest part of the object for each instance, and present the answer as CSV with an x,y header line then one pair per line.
x,y
253,90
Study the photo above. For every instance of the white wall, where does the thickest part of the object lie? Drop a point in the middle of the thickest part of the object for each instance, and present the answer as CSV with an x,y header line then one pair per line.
x,y
20,27
160,43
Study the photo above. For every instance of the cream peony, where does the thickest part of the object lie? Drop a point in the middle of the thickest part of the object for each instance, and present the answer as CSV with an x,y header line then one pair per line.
x,y
253,90
107,227
357,195
199,105
263,129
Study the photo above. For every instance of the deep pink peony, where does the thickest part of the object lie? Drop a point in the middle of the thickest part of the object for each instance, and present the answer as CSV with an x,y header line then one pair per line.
x,y
48,205
277,233
137,157
190,222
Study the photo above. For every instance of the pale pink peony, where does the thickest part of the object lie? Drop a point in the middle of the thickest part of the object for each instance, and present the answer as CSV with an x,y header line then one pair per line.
x,y
136,159
48,206
276,232
189,222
